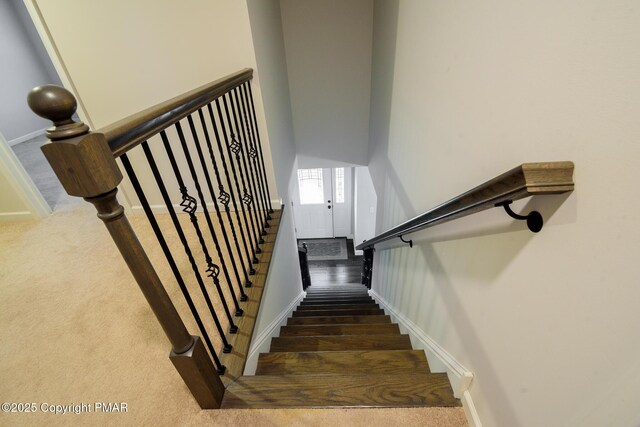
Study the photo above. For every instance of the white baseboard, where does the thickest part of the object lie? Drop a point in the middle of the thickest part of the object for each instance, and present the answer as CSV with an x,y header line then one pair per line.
x,y
470,410
16,216
459,376
26,137
261,343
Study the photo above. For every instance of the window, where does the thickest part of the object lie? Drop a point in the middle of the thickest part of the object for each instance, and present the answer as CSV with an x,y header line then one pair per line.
x,y
339,185
310,186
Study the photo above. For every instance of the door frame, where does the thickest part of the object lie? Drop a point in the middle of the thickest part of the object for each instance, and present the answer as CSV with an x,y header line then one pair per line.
x,y
20,180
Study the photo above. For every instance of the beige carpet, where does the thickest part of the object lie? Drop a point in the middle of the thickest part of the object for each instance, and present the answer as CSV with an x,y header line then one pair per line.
x,y
75,328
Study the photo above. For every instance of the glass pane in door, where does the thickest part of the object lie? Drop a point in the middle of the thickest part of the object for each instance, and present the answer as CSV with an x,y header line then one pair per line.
x,y
310,186
339,183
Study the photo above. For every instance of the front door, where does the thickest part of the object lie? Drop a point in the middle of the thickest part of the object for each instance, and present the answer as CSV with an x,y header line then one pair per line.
x,y
313,207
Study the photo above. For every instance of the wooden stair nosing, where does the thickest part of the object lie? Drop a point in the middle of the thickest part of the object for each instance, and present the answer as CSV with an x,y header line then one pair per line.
x,y
347,312
338,320
357,329
336,307
343,362
336,297
336,292
340,342
330,391
329,299
336,301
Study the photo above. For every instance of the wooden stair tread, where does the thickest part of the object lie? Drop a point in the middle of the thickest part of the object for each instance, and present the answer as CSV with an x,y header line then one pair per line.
x,y
340,293
341,342
345,312
336,301
338,320
327,391
311,330
335,307
343,362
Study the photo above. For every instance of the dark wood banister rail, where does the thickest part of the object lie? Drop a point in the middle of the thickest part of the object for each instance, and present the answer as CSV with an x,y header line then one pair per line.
x,y
528,179
127,133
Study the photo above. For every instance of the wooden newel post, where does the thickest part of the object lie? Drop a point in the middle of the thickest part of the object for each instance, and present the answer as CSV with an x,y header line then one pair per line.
x,y
86,168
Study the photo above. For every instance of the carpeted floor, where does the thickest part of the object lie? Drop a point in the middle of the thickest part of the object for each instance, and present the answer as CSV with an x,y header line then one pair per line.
x,y
75,328
326,249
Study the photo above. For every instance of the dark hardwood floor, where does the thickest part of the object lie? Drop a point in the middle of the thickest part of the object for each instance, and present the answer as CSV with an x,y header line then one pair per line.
x,y
336,271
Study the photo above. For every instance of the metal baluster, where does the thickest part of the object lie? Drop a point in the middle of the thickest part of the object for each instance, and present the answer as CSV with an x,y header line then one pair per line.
x,y
242,166
235,147
189,205
167,253
264,170
205,169
176,223
203,203
252,242
252,153
230,195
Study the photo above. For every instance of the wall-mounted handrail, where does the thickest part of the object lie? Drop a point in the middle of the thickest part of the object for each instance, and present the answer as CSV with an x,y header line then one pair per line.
x,y
528,179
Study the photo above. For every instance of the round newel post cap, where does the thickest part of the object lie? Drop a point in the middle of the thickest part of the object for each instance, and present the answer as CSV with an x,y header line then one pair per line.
x,y
58,105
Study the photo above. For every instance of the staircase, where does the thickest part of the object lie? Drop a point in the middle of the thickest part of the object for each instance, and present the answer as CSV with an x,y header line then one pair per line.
x,y
339,349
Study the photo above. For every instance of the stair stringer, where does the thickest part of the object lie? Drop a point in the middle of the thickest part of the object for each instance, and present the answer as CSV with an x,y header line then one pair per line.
x,y
261,342
459,376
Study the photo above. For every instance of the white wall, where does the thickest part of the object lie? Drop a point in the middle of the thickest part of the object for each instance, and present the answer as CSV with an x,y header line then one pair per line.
x,y
283,290
547,322
268,40
328,47
364,209
23,67
284,284
148,52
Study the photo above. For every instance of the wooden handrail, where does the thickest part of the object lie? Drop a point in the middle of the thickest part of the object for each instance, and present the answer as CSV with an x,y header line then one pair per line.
x,y
528,179
127,133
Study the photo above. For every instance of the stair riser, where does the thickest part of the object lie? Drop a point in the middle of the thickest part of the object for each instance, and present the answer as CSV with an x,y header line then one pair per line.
x,y
338,320
298,331
336,307
352,312
338,295
336,301
340,343
344,296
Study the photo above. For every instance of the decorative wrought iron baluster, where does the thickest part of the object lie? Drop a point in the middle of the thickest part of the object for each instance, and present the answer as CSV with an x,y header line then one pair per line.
x,y
242,165
205,169
252,153
261,154
189,206
185,243
203,202
225,197
252,242
367,267
246,198
169,257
